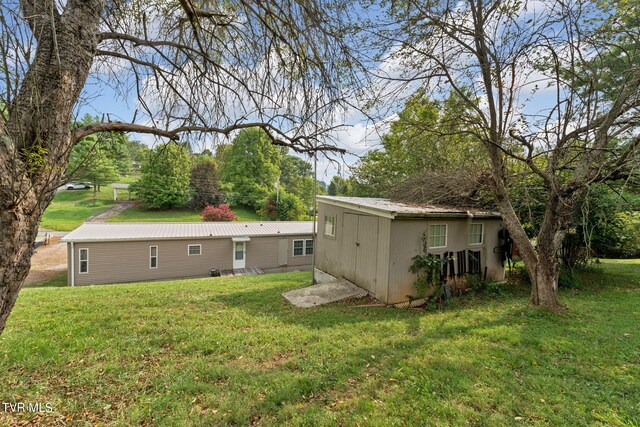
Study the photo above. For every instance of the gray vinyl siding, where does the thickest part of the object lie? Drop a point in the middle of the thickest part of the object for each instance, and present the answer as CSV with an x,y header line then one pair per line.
x,y
128,261
383,270
339,256
406,242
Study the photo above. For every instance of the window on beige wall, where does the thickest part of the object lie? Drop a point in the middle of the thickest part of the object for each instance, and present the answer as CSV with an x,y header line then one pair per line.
x,y
195,250
329,225
83,268
303,247
153,257
308,247
476,234
437,236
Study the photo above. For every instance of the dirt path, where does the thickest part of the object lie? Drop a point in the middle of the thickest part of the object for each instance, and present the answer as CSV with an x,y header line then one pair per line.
x,y
115,210
47,262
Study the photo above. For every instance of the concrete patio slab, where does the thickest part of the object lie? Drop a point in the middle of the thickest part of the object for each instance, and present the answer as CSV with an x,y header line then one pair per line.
x,y
324,293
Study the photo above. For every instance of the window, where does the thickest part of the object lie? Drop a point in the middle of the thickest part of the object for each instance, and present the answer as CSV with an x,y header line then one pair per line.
x,y
476,234
84,261
239,251
438,236
308,247
195,250
329,226
153,257
303,247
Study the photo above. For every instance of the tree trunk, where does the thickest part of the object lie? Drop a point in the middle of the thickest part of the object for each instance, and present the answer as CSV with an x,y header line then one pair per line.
x,y
36,142
18,231
545,273
544,289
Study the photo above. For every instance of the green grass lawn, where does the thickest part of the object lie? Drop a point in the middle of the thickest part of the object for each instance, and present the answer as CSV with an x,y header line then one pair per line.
x,y
175,215
70,208
232,351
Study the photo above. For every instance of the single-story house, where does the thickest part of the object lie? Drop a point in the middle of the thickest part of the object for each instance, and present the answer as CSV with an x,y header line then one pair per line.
x,y
371,242
131,252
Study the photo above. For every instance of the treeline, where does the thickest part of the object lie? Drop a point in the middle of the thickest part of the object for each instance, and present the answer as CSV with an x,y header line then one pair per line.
x,y
250,172
426,158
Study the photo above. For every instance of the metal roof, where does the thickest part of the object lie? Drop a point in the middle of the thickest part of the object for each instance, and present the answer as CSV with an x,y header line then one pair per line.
x,y
390,209
106,232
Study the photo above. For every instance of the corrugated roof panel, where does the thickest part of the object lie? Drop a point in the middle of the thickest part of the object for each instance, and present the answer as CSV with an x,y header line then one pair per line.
x,y
185,230
404,209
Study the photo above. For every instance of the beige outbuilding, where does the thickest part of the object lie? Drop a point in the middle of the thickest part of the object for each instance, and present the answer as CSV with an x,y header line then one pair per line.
x,y
371,242
132,252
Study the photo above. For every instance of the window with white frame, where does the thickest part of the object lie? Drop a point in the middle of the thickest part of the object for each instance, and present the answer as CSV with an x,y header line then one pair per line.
x,y
476,234
303,247
84,261
437,236
308,247
298,247
195,250
329,225
153,257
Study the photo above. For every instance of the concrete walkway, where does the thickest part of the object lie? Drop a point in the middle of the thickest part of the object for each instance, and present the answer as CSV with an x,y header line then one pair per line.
x,y
324,293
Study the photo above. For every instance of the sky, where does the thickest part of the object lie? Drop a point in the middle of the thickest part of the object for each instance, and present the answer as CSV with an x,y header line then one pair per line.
x,y
358,136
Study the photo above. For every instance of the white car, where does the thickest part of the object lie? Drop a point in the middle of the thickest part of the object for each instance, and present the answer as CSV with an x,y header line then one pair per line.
x,y
78,185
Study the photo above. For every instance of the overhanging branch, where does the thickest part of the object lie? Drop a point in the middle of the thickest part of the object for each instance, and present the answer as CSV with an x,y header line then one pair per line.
x,y
300,143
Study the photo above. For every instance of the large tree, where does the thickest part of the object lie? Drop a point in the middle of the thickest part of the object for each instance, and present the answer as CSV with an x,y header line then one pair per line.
x,y
250,168
427,139
535,76
165,181
191,67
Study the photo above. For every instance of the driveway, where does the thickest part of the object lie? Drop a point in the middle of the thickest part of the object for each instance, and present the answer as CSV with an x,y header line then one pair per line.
x,y
115,210
47,261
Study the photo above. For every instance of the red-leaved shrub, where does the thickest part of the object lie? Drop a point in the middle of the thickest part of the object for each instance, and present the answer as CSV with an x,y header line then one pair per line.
x,y
218,213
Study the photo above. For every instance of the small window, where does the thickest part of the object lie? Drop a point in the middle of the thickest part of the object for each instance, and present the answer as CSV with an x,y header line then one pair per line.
x,y
195,250
239,251
84,261
438,236
153,257
298,247
329,226
476,234
308,247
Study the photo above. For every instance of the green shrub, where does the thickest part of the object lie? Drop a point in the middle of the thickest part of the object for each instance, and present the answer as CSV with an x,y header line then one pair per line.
x,y
285,207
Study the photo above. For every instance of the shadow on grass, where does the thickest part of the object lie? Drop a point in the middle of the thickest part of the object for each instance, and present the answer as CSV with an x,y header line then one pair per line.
x,y
58,281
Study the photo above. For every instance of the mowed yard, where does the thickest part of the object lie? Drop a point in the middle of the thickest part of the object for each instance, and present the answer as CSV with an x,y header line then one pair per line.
x,y
232,351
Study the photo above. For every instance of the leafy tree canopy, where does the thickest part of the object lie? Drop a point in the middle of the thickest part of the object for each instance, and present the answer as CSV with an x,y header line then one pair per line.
x,y
165,177
250,167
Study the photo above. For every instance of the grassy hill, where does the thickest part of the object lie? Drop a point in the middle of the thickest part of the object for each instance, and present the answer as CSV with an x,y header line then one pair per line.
x,y
232,351
71,208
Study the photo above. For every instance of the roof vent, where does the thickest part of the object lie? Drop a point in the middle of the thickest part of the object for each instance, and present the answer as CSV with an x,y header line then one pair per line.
x,y
246,225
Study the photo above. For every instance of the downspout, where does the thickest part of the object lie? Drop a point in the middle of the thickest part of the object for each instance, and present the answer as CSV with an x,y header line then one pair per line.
x,y
72,270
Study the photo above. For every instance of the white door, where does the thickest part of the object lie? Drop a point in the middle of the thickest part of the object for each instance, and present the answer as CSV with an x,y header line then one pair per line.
x,y
239,254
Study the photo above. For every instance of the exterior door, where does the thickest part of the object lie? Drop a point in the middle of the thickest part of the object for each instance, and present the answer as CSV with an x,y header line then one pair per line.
x,y
283,251
239,254
349,248
367,252
360,250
